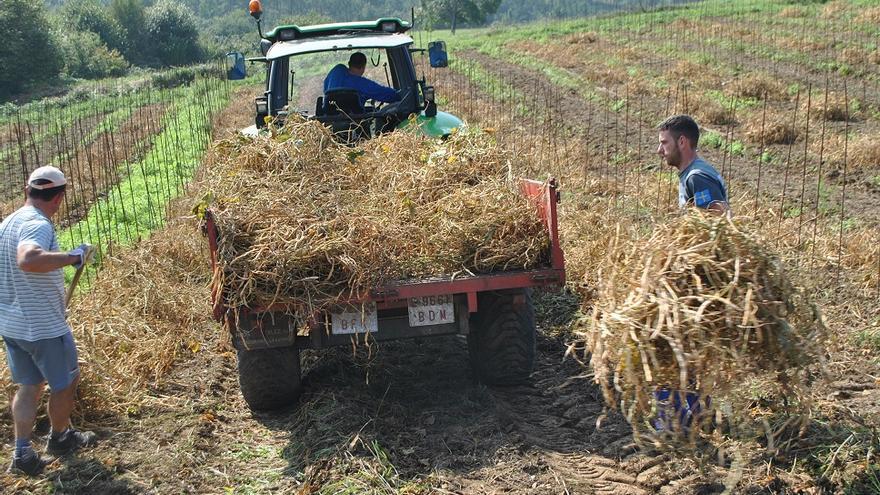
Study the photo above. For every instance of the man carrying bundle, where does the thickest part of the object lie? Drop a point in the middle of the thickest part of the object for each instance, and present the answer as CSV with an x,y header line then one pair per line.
x,y
33,324
699,183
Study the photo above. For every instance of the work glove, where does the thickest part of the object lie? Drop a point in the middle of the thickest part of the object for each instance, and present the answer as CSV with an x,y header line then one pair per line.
x,y
86,253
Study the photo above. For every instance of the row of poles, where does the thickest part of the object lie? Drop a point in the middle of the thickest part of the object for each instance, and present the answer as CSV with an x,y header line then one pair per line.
x,y
104,144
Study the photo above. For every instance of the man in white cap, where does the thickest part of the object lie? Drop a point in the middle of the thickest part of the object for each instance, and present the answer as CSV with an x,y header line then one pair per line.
x,y
33,324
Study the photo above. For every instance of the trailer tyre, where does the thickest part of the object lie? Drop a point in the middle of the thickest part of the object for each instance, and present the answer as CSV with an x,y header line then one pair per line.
x,y
269,378
501,341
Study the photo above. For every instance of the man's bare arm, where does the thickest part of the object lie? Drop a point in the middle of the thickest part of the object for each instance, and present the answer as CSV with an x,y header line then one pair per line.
x,y
719,207
33,259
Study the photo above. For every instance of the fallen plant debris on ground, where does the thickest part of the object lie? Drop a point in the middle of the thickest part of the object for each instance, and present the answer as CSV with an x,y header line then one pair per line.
x,y
702,307
138,316
771,128
305,222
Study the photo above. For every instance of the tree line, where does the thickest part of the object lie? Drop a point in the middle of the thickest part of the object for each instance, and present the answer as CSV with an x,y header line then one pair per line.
x,y
91,39
439,12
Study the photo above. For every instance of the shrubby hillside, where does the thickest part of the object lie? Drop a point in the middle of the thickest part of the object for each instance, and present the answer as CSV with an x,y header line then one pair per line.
x,y
94,39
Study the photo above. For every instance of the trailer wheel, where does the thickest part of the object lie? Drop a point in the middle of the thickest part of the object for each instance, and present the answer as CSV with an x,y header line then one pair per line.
x,y
501,341
269,378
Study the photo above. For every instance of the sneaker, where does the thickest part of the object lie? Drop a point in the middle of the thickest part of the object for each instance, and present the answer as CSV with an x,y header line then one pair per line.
x,y
30,464
69,441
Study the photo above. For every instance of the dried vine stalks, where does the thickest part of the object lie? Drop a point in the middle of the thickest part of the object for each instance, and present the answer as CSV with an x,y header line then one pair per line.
x,y
701,308
306,222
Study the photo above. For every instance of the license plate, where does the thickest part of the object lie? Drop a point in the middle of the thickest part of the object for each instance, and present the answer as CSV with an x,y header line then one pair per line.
x,y
431,310
354,319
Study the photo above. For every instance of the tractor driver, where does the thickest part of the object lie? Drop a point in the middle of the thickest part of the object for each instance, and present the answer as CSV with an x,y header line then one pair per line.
x,y
352,77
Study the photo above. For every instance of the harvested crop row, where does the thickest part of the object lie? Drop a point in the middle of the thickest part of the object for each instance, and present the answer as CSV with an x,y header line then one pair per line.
x,y
702,307
306,222
147,305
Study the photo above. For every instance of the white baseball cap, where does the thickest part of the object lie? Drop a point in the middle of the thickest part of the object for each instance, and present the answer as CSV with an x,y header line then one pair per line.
x,y
54,176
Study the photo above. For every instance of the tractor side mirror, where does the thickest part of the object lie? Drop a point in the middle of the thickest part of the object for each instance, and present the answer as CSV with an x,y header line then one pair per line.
x,y
235,68
437,54
430,103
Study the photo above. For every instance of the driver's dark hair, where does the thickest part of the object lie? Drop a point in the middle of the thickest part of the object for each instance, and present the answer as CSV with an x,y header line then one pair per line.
x,y
682,125
357,60
45,194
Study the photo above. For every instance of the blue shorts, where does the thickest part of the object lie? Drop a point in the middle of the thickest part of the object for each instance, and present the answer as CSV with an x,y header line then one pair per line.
x,y
49,360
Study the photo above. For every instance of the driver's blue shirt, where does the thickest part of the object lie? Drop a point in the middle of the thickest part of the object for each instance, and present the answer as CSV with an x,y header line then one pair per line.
x,y
339,77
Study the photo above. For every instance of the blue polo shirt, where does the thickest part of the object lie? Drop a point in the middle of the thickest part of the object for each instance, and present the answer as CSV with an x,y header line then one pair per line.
x,y
339,77
701,185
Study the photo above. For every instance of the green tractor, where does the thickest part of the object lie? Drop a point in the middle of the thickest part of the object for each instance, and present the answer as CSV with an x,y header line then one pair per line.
x,y
298,57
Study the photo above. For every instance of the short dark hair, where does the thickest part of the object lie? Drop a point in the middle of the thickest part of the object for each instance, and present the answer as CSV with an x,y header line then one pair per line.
x,y
357,59
45,194
682,125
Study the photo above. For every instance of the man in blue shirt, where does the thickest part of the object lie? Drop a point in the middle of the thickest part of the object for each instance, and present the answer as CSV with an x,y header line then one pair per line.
x,y
352,77
699,183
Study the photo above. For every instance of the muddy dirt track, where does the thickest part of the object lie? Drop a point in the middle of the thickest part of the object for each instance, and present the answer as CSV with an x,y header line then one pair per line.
x,y
411,405
406,417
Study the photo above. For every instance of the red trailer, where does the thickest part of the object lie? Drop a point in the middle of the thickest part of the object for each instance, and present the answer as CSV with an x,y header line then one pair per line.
x,y
493,310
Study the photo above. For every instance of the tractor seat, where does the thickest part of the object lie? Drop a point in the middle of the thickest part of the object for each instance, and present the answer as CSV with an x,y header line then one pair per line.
x,y
342,101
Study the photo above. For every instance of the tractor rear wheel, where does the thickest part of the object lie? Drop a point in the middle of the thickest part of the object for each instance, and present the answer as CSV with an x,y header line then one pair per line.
x,y
501,341
269,378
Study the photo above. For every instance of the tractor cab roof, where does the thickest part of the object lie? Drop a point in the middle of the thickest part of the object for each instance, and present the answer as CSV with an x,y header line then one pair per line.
x,y
289,32
351,41
291,39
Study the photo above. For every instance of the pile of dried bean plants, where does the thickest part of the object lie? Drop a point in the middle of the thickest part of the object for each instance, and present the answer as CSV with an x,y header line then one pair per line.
x,y
147,307
700,307
305,222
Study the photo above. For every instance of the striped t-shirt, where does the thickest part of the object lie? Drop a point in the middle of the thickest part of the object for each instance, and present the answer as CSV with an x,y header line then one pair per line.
x,y
31,304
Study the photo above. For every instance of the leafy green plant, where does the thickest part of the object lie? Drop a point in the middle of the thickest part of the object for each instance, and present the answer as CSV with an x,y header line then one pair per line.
x,y
26,34
869,338
86,56
728,101
736,148
712,139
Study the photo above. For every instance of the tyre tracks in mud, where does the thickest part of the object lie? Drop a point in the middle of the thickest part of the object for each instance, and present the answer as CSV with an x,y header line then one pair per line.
x,y
558,417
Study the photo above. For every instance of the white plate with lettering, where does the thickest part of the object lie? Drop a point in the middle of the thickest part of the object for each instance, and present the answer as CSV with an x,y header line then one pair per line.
x,y
431,310
354,319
